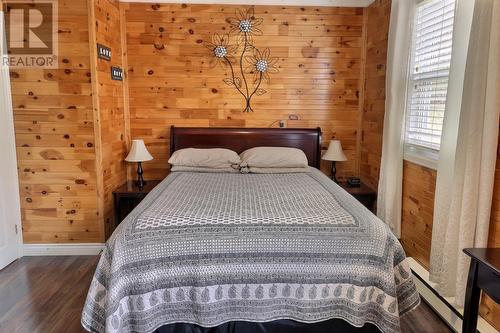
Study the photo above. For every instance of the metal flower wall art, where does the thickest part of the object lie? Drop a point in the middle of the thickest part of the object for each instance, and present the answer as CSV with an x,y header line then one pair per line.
x,y
243,54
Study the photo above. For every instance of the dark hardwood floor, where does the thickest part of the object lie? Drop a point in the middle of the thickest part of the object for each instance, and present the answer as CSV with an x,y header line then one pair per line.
x,y
46,295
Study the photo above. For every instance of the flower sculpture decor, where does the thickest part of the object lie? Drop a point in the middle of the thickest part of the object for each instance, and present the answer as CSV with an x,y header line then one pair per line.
x,y
251,61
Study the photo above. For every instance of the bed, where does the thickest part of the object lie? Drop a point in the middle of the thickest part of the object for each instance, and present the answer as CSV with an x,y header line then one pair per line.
x,y
231,252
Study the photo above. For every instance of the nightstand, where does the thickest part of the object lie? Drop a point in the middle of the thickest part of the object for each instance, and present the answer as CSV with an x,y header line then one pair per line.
x,y
128,196
363,194
484,275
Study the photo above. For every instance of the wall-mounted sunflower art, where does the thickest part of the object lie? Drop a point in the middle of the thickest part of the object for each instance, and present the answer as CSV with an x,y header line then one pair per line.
x,y
243,58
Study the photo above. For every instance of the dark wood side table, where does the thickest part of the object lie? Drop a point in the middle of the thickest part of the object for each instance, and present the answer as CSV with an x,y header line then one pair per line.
x,y
484,274
128,196
363,194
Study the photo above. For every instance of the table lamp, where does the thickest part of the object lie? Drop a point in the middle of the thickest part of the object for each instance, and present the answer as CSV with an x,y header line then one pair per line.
x,y
139,153
335,154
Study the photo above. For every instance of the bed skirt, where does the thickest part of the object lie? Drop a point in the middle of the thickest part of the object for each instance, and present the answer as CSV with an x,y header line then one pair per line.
x,y
277,326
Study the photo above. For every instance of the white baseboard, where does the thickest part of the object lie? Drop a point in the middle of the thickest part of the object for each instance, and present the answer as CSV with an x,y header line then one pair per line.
x,y
76,249
444,306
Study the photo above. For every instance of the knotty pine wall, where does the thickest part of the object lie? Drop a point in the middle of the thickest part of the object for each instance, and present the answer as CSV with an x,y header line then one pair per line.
x,y
55,139
73,127
170,82
419,185
489,309
419,182
71,131
372,124
109,97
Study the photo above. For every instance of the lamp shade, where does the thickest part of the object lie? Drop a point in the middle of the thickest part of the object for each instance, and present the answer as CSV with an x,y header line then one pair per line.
x,y
138,152
334,152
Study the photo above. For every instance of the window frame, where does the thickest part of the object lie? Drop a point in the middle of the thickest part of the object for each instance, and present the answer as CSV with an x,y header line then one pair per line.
x,y
421,155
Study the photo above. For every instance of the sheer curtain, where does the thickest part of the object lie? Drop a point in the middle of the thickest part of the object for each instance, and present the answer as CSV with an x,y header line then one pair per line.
x,y
391,167
466,173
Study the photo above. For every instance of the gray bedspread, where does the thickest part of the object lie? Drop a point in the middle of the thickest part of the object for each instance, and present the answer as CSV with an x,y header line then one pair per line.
x,y
207,248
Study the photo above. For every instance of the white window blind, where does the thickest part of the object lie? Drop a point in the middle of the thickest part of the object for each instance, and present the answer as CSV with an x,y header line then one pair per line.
x,y
428,75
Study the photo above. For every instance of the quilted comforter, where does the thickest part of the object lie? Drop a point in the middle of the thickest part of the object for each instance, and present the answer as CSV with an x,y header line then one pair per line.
x,y
208,248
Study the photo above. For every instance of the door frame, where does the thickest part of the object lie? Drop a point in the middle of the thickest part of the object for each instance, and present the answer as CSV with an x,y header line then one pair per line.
x,y
8,168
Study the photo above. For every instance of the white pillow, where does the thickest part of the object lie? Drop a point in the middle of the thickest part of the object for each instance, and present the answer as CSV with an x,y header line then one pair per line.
x,y
180,168
278,170
217,158
273,157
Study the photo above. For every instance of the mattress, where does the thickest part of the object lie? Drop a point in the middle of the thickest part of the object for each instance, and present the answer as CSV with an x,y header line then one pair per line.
x,y
211,248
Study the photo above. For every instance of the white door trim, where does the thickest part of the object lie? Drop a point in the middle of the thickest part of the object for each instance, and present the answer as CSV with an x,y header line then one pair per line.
x,y
10,218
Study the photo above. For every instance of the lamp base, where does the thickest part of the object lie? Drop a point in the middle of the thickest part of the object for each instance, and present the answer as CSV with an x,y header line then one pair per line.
x,y
140,180
334,172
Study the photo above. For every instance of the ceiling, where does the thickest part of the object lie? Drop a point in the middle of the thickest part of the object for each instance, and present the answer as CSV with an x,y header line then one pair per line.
x,y
326,3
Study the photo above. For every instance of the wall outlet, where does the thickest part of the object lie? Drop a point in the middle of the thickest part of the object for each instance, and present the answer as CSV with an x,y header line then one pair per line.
x,y
282,123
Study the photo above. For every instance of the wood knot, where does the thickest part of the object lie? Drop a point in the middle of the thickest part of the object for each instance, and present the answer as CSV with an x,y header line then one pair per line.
x,y
159,46
51,154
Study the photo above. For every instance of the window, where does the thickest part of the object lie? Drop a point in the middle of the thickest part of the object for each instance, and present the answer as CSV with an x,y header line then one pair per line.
x,y
428,76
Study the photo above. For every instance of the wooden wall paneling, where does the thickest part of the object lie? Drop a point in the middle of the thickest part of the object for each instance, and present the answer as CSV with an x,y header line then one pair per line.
x,y
126,106
419,185
378,15
170,82
96,115
55,141
362,80
494,233
110,106
489,309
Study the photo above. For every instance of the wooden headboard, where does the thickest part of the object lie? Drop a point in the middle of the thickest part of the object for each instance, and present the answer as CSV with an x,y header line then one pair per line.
x,y
240,139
